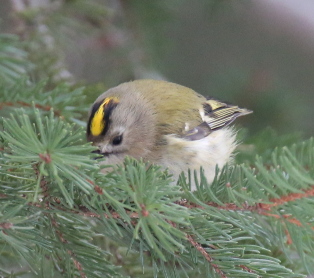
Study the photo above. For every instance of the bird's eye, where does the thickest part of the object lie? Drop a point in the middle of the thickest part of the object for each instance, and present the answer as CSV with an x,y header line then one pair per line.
x,y
117,140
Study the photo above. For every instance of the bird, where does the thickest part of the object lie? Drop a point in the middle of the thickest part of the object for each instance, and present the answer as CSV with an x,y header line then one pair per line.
x,y
166,124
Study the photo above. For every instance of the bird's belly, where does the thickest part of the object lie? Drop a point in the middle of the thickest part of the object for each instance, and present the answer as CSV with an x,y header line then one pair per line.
x,y
214,150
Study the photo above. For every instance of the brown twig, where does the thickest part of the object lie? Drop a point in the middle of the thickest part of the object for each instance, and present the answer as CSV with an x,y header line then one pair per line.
x,y
260,208
246,268
76,263
43,182
6,225
25,104
202,250
288,198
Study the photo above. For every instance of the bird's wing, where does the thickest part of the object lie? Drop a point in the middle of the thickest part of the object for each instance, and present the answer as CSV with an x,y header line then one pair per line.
x,y
215,115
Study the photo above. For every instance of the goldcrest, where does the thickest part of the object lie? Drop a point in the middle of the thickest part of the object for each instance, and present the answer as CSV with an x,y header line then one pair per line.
x,y
163,123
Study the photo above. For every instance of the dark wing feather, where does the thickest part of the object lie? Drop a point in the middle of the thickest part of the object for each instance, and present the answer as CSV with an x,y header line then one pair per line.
x,y
215,115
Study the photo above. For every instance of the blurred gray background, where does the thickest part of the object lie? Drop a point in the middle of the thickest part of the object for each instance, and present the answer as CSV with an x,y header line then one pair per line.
x,y
257,54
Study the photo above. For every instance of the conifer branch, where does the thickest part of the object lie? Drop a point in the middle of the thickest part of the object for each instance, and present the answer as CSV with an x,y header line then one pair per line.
x,y
46,108
201,249
260,208
138,204
291,197
113,214
76,263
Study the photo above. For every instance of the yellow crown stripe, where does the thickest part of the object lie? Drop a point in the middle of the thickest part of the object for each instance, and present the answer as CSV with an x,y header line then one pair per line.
x,y
98,122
